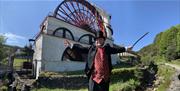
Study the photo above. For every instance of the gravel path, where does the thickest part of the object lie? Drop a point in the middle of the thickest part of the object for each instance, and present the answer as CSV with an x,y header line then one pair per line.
x,y
175,83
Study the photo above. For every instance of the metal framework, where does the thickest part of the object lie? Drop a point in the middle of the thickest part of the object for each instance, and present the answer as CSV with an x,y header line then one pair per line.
x,y
79,13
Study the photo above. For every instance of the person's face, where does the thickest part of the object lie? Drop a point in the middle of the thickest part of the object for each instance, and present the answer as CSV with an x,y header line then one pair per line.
x,y
100,42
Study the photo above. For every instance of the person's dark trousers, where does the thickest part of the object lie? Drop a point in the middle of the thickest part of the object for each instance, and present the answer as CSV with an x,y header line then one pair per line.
x,y
93,86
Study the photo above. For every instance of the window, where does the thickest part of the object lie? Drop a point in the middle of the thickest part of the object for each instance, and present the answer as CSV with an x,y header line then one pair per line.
x,y
87,39
63,33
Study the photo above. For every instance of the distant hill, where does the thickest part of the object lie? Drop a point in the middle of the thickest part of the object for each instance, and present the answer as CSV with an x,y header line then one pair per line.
x,y
166,46
8,49
11,46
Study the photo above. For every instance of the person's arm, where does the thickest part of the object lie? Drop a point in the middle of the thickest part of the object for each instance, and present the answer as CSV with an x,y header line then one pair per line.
x,y
77,47
80,48
118,49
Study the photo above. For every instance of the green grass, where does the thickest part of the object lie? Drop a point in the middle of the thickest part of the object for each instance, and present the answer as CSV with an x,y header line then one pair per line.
x,y
4,62
60,74
47,89
176,62
129,85
165,73
124,79
121,79
3,88
19,62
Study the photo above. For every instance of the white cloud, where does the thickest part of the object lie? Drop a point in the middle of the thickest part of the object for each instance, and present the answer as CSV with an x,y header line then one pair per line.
x,y
13,36
13,39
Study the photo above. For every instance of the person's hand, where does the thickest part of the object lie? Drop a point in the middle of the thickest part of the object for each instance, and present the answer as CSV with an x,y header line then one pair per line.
x,y
67,43
129,48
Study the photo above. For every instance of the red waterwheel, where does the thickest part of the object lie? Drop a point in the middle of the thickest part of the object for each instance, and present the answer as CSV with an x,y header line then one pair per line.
x,y
80,13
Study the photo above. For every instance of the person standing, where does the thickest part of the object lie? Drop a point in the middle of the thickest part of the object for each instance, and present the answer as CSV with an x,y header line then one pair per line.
x,y
98,63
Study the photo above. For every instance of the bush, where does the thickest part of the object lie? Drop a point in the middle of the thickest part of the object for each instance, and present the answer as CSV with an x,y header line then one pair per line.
x,y
165,73
131,85
3,88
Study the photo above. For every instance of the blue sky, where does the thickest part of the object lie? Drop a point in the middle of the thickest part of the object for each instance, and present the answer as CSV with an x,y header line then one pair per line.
x,y
20,19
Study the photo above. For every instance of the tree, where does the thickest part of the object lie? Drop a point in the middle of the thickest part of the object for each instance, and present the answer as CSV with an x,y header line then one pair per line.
x,y
178,41
28,52
2,53
166,45
171,53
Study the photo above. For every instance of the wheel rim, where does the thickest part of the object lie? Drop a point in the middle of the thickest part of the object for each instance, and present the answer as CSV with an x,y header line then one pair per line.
x,y
79,13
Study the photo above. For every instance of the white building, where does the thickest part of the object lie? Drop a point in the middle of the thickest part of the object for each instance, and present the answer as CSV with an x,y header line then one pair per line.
x,y
51,54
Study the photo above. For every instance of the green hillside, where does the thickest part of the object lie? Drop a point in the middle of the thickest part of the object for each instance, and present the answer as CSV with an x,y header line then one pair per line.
x,y
166,46
164,49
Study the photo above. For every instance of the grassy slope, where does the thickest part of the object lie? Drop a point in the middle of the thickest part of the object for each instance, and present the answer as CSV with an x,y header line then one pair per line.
x,y
19,62
165,73
122,78
176,62
46,89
